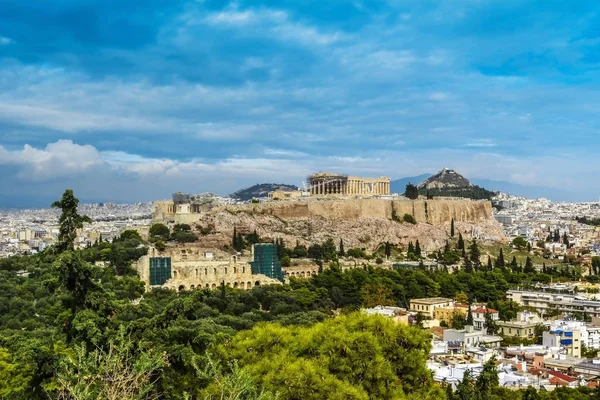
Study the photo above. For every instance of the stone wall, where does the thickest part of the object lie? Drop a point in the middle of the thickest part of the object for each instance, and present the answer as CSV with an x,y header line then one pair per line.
x,y
435,212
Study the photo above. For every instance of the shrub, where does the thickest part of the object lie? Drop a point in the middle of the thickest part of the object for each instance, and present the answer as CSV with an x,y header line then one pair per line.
x,y
409,218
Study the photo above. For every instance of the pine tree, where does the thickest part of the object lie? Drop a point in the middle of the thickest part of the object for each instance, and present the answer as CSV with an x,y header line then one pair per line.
x,y
566,240
447,248
461,242
452,228
556,237
487,381
342,252
417,248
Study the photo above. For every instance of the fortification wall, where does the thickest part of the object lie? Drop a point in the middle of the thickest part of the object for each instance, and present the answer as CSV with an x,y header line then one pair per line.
x,y
435,212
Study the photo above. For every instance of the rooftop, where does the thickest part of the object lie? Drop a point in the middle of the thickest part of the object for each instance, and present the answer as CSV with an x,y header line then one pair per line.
x,y
432,300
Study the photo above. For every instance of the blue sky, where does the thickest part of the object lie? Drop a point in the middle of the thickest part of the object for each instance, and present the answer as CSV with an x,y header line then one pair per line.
x,y
131,100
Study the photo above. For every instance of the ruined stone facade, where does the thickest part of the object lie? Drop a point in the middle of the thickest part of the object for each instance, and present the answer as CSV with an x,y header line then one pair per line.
x,y
327,183
193,267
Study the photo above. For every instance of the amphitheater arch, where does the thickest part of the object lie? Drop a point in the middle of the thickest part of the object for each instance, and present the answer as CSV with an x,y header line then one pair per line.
x,y
236,285
214,286
181,288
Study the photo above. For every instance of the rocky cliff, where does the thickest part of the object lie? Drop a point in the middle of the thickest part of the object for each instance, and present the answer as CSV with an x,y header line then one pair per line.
x,y
364,223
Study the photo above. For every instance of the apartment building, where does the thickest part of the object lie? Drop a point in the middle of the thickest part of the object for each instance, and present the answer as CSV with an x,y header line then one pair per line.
x,y
565,303
428,306
521,327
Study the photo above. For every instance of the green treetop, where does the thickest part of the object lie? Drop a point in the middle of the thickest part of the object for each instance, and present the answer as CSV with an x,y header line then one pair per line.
x,y
69,221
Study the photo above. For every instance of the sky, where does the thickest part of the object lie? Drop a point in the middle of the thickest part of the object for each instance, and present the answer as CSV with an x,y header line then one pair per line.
x,y
132,100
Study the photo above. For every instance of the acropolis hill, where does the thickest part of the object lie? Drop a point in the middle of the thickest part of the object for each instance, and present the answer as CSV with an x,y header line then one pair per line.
x,y
361,222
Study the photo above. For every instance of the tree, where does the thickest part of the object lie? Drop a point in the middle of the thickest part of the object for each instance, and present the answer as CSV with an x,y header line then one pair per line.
x,y
300,251
234,238
491,326
452,228
461,242
388,249
489,264
565,240
519,243
475,254
411,248
159,231
458,320
487,381
379,261
114,374
469,316
342,252
500,260
417,248
376,294
513,264
465,390
529,269
285,261
69,221
160,245
334,357
411,191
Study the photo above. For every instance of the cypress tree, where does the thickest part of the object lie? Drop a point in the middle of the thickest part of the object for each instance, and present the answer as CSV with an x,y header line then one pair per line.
x,y
388,249
529,269
234,239
513,264
489,263
417,248
342,252
469,316
475,254
452,228
500,260
411,248
461,242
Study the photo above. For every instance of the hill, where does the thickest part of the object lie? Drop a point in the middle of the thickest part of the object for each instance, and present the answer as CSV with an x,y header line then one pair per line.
x,y
450,183
260,190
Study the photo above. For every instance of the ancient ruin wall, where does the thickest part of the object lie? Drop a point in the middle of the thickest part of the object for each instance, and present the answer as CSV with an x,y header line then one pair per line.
x,y
435,212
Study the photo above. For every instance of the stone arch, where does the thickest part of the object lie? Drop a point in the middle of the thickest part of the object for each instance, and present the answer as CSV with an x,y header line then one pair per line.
x,y
192,287
234,270
228,284
214,286
175,274
205,271
257,283
249,285
208,286
236,285
215,270
243,270
235,259
302,274
181,288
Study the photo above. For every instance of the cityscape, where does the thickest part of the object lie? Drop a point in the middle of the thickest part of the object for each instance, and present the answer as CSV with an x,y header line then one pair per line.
x,y
299,200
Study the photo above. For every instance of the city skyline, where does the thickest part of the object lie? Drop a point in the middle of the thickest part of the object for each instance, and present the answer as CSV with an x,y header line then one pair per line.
x,y
130,102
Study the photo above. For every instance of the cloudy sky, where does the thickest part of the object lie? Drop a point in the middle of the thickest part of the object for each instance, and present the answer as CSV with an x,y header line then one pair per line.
x,y
131,100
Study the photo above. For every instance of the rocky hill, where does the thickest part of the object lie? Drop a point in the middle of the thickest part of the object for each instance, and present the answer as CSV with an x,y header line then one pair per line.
x,y
260,190
361,223
449,183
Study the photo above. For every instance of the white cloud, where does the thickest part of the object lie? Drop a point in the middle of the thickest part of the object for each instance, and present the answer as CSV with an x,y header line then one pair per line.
x,y
5,41
481,143
59,159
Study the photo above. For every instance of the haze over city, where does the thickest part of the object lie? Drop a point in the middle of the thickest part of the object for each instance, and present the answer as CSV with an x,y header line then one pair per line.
x,y
129,103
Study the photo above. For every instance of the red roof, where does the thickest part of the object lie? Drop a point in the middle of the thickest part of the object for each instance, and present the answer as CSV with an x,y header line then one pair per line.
x,y
562,376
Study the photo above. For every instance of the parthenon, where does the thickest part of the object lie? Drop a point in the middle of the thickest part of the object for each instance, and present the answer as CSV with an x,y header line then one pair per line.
x,y
327,183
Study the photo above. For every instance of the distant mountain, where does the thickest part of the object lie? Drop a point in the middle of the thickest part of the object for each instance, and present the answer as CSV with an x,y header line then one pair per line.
x,y
260,190
398,185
